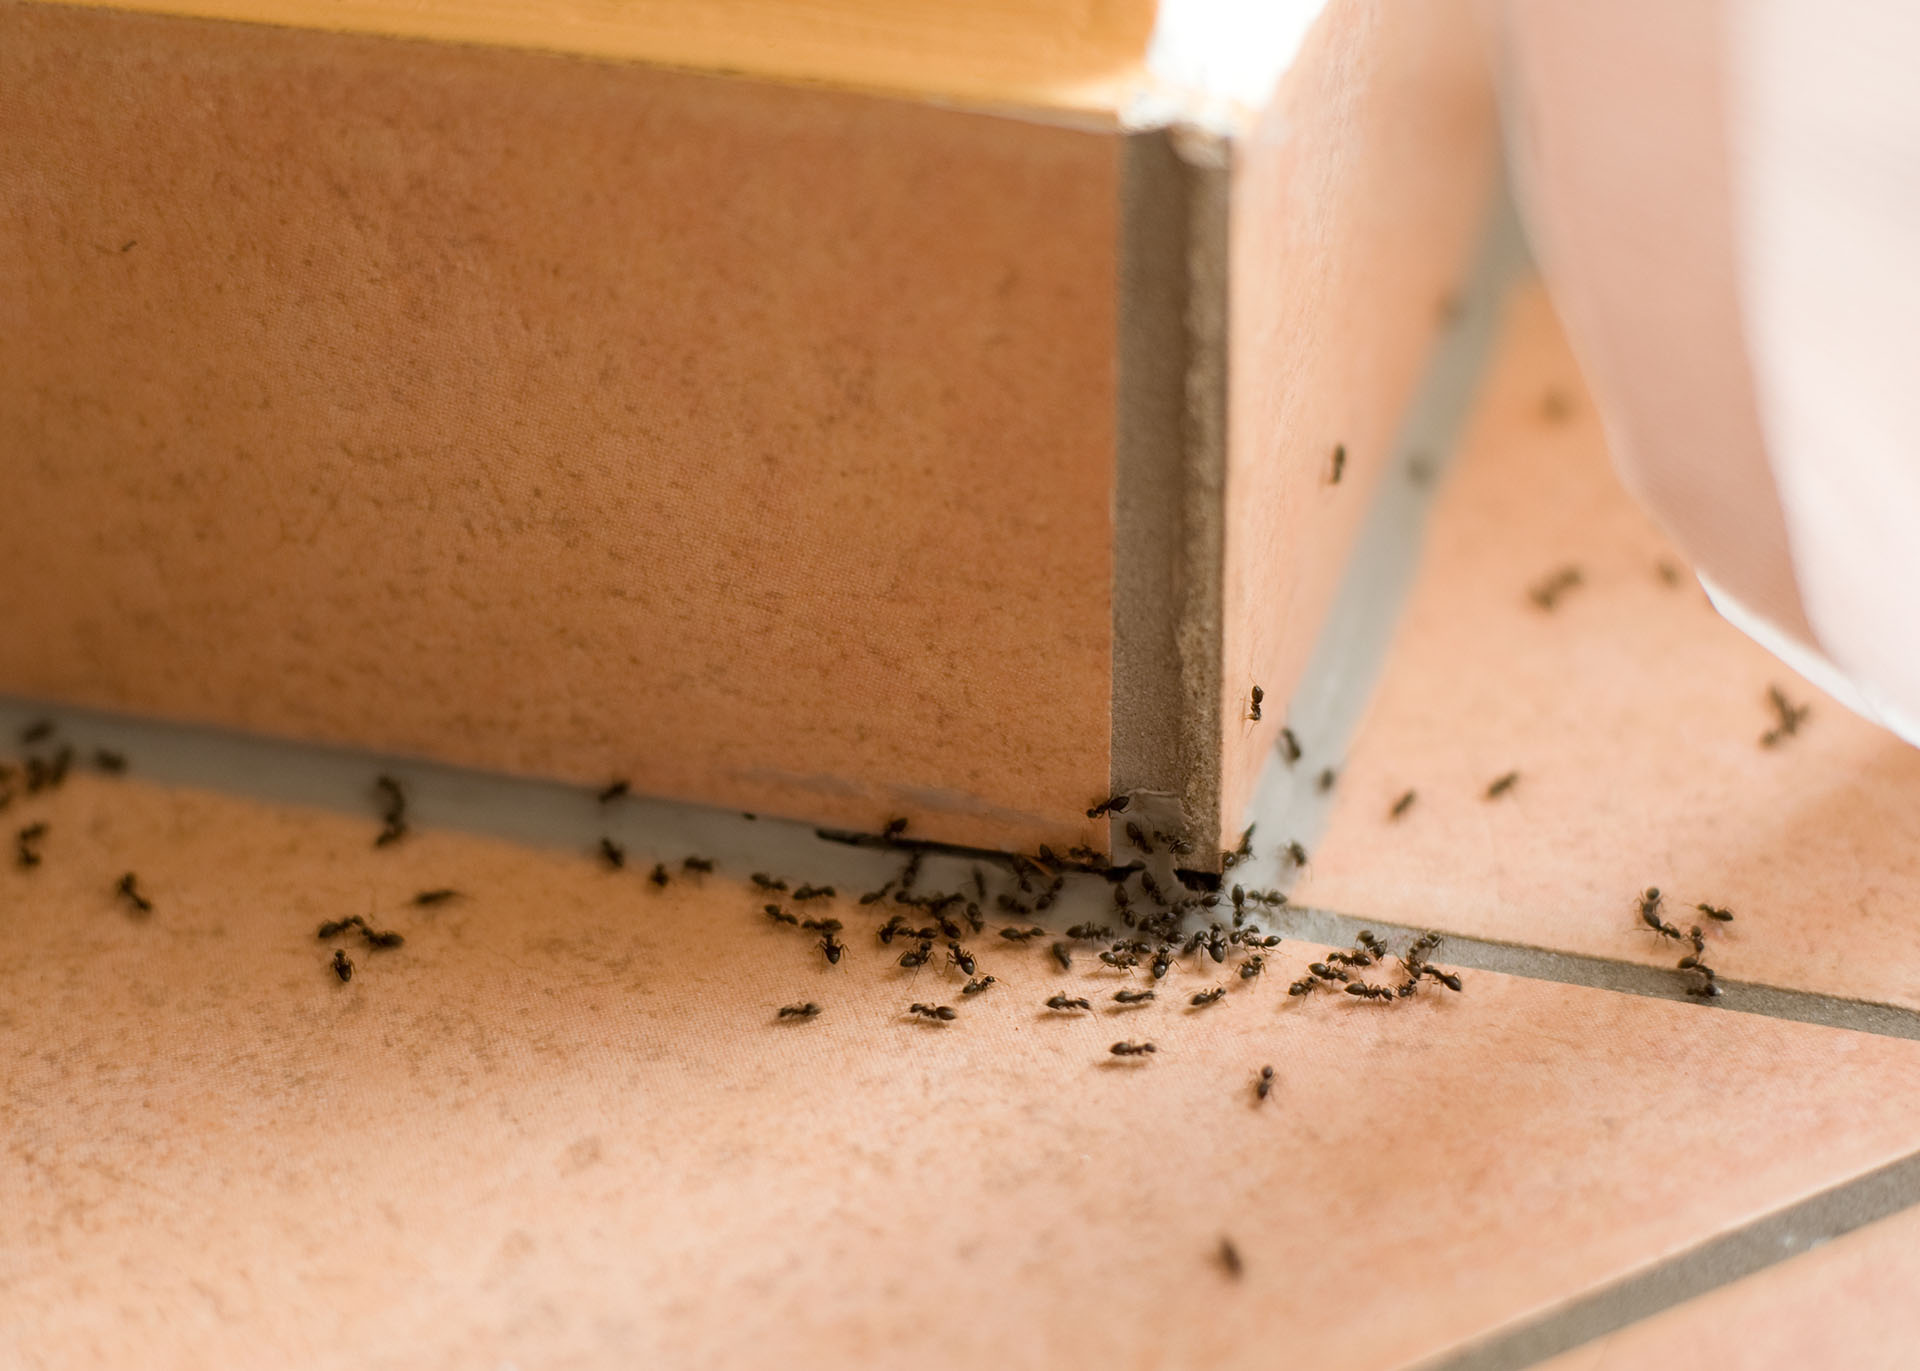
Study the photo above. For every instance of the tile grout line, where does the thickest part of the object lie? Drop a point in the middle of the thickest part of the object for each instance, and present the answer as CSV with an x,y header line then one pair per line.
x,y
1627,978
1741,1252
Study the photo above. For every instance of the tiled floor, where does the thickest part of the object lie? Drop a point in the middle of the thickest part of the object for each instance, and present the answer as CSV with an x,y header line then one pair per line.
x,y
561,1127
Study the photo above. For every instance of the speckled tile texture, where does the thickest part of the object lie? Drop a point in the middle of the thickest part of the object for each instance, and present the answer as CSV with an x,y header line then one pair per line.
x,y
561,1126
1633,715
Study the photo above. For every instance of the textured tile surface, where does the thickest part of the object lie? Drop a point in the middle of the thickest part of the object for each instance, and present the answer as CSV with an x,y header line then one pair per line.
x,y
1849,1304
560,1127
1632,713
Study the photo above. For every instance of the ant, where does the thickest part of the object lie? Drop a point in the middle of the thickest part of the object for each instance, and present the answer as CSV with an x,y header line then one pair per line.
x,y
1714,911
1289,746
1546,593
1296,853
1371,944
1065,1002
1306,985
894,828
1791,716
1502,784
428,898
380,938
1369,992
37,732
701,865
113,763
822,925
616,790
763,881
916,957
26,851
614,855
1021,935
1253,710
1132,1049
1132,996
1339,467
800,1011
1253,966
658,876
1139,839
1350,958
1113,804
1265,1086
1121,961
1446,978
1062,955
936,1012
1320,971
813,892
832,948
960,957
1402,805
1230,1259
780,916
1327,777
1162,963
333,928
895,925
342,966
1650,914
129,886
393,812
1207,997
1093,933
976,986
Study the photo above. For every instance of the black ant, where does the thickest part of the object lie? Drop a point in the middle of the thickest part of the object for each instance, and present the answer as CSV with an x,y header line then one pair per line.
x,y
894,828
1372,944
976,986
1062,955
893,926
1546,593
1230,1259
936,1012
1339,464
616,790
1502,784
614,855
1132,996
813,892
1253,710
333,928
917,956
1207,997
1065,1002
1265,1086
1446,978
1021,935
129,887
1121,961
1132,1049
779,915
1306,985
1253,966
832,949
1402,805
1369,992
1320,971
1650,914
1113,804
822,925
1162,963
37,732
658,877
1791,716
700,865
427,898
800,1011
763,881
1327,777
113,763
342,966
1289,746
26,850
960,957
1714,911
393,811
380,938
1139,839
